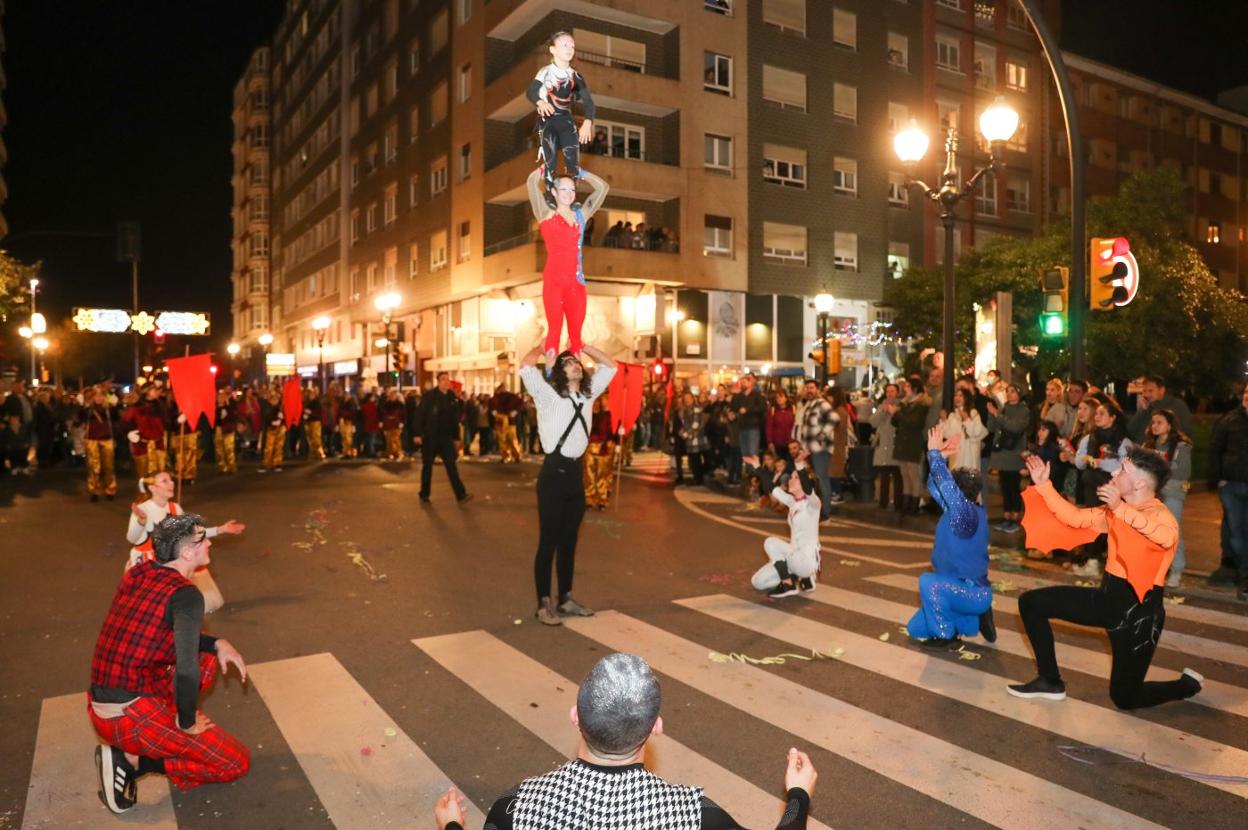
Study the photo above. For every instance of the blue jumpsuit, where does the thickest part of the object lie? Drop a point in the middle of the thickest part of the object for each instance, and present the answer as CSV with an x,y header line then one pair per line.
x,y
958,591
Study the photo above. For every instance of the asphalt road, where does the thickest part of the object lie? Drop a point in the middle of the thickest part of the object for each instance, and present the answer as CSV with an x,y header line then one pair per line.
x,y
353,724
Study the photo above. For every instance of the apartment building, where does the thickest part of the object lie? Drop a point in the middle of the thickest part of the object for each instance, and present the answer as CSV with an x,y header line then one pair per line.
x,y
252,238
1131,124
4,118
755,137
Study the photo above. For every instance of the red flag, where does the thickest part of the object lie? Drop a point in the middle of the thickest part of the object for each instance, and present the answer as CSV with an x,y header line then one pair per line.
x,y
617,396
194,387
292,402
633,387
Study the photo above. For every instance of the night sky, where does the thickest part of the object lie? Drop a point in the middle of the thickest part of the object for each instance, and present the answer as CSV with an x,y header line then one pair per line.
x,y
121,110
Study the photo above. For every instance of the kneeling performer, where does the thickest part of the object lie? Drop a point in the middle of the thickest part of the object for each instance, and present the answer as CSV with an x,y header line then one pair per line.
x,y
792,565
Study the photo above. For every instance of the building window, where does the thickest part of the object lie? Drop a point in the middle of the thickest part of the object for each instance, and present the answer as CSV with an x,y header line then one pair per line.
x,y
786,243
413,191
1016,75
353,277
413,125
845,252
437,176
718,73
718,153
355,225
370,218
437,251
371,159
1018,141
465,162
845,101
371,276
619,52
985,67
413,261
1213,234
784,165
391,140
391,265
898,116
717,236
465,82
1015,17
463,11
371,101
391,80
391,210
786,15
898,50
948,113
355,60
956,5
784,87
986,196
898,259
1018,194
355,172
948,53
439,32
413,57
718,6
465,241
898,193
438,104
845,175
845,28
623,141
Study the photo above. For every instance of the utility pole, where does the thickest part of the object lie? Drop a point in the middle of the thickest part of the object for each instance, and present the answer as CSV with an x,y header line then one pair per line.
x,y
128,247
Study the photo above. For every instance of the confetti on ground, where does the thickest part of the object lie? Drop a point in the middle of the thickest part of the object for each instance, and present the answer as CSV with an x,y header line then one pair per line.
x,y
301,545
851,563
518,622
963,654
366,751
901,629
1004,586
774,660
1010,566
391,732
1175,600
884,637
357,559
717,579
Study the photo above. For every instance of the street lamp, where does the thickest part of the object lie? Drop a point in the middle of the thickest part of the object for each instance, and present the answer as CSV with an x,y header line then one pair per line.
x,y
997,123
233,349
37,325
266,340
319,325
823,305
386,303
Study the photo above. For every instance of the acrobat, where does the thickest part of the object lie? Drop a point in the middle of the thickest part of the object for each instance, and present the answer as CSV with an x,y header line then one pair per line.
x,y
553,92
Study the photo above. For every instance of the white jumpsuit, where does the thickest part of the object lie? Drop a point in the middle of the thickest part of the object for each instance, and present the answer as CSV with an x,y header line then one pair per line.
x,y
801,552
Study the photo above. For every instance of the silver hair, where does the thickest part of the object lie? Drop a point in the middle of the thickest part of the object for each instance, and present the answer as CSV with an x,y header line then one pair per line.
x,y
172,534
618,704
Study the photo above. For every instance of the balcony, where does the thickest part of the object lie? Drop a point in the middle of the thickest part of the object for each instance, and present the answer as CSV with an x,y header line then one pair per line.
x,y
520,260
512,19
616,84
628,178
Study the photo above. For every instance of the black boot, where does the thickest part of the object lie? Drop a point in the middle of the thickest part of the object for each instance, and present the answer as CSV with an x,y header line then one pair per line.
x,y
988,626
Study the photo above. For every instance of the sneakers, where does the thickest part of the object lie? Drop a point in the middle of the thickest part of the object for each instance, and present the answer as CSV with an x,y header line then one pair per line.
x,y
571,608
117,787
1090,569
1039,688
466,497
787,588
988,626
806,585
546,613
1174,581
1195,678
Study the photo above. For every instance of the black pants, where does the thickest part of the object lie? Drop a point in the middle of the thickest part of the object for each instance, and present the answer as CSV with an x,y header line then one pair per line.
x,y
1011,490
1133,627
558,135
444,448
886,474
697,466
560,508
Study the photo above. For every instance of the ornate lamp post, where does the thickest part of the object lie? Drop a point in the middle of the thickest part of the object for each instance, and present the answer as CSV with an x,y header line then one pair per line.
x,y
320,325
386,303
997,124
823,305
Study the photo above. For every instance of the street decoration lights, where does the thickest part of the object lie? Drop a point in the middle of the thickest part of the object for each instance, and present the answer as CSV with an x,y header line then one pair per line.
x,y
320,325
386,303
997,124
823,306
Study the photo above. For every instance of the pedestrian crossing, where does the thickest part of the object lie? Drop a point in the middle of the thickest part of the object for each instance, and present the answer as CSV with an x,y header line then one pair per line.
x,y
931,755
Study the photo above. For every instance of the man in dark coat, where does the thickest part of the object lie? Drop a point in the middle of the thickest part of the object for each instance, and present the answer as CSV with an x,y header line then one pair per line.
x,y
437,435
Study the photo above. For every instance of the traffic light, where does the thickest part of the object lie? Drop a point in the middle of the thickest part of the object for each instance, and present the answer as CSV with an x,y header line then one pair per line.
x,y
1055,286
158,337
658,368
833,345
1112,267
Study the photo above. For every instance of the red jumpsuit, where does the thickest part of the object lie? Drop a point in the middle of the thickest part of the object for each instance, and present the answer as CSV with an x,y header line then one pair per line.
x,y
563,282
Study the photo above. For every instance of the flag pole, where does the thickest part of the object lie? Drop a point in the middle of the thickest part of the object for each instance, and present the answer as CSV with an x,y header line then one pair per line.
x,y
619,464
181,438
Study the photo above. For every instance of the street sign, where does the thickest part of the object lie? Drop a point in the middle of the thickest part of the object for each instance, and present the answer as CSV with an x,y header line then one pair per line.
x,y
279,363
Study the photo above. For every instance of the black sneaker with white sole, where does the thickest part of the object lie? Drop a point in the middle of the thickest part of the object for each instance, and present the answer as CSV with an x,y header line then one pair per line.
x,y
1039,688
785,589
806,584
1195,679
117,787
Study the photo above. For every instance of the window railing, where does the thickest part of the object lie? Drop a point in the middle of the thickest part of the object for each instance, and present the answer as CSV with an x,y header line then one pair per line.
x,y
718,6
604,240
611,60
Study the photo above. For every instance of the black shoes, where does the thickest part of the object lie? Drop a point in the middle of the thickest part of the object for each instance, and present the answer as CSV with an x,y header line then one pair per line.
x,y
1039,688
466,497
988,626
117,777
787,588
1194,680
806,584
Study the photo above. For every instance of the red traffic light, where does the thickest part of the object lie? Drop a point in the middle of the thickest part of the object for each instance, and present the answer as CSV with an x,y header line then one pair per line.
x,y
158,335
658,368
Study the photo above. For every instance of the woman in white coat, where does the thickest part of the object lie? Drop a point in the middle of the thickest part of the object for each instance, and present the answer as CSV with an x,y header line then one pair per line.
x,y
964,420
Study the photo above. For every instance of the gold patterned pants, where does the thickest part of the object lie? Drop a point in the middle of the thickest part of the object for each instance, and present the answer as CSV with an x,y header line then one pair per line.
x,y
508,443
598,473
186,455
627,449
150,461
394,443
101,481
223,444
274,442
346,429
316,443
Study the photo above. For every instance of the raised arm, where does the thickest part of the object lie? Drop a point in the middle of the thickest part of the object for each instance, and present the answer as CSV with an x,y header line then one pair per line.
x,y
530,359
600,357
536,201
591,204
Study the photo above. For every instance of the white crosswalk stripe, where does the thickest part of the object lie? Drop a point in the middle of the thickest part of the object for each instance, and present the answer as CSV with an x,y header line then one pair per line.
x,y
396,783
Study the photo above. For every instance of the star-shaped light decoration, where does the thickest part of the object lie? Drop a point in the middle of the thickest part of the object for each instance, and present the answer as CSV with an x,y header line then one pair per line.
x,y
199,323
142,323
84,319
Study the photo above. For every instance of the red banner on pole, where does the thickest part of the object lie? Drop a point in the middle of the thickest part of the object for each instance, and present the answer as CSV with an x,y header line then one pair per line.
x,y
194,387
292,401
625,395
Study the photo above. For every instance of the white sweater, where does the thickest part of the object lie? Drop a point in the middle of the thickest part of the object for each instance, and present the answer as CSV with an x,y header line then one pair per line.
x,y
803,520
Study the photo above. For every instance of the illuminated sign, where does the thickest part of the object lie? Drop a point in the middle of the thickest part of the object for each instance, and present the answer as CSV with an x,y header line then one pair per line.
x,y
117,320
279,363
347,367
307,371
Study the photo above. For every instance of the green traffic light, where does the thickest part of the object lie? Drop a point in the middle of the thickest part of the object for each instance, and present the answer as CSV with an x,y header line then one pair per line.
x,y
1052,325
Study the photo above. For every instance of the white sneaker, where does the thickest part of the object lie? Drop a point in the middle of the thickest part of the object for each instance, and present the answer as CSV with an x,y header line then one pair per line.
x,y
1174,581
1091,569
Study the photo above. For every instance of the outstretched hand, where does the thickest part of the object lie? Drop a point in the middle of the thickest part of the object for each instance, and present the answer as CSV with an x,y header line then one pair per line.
x,y
586,133
1037,469
800,772
450,808
233,526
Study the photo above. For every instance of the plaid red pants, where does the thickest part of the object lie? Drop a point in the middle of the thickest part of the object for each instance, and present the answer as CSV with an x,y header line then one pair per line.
x,y
149,727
